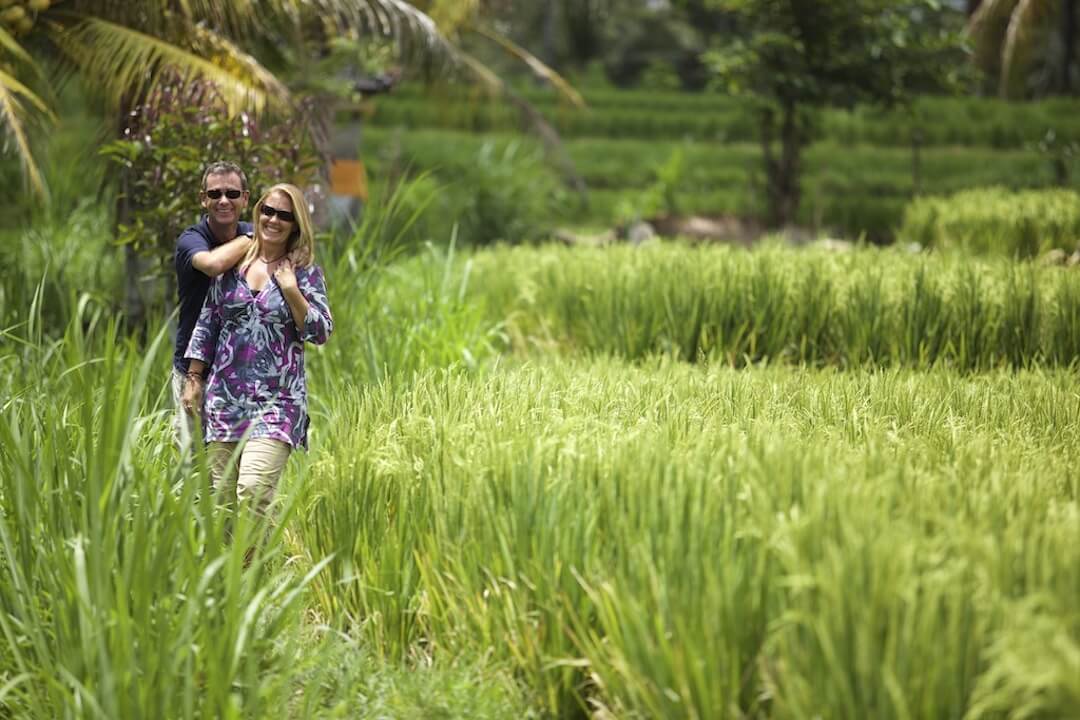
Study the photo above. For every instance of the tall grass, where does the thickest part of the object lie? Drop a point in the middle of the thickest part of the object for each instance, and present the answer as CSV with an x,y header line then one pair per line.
x,y
996,221
60,260
663,541
121,598
869,307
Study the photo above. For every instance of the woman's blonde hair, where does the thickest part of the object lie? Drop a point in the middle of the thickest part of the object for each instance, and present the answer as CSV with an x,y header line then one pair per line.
x,y
301,245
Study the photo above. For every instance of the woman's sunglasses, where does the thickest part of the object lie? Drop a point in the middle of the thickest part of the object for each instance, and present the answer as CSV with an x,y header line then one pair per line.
x,y
216,194
269,212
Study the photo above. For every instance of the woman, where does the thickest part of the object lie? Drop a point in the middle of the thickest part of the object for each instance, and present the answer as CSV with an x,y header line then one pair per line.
x,y
251,333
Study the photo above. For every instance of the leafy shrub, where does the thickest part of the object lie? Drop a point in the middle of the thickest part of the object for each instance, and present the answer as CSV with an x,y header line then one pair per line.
x,y
996,221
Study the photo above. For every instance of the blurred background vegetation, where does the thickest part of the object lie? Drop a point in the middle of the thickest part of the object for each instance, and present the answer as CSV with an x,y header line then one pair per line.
x,y
524,118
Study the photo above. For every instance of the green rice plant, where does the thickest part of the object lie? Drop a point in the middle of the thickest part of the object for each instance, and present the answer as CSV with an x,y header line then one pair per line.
x,y
1033,666
352,681
667,540
996,221
774,304
1064,325
400,318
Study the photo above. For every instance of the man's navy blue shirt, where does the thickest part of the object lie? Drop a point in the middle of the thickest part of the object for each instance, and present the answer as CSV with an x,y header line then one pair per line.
x,y
191,283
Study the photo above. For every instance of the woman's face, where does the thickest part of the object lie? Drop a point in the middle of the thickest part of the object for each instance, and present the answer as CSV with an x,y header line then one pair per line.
x,y
275,228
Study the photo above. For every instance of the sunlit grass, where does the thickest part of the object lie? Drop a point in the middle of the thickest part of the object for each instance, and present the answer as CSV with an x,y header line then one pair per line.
x,y
669,541
868,307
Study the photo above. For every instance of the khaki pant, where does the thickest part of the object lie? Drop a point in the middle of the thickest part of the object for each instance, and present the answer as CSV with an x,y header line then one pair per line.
x,y
250,475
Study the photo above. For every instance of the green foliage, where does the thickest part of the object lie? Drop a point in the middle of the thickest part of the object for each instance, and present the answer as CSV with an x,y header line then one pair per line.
x,y
793,58
654,48
493,190
995,221
168,142
837,54
127,56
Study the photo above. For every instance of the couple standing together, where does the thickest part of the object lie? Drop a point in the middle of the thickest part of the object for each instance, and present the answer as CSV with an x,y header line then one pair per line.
x,y
250,296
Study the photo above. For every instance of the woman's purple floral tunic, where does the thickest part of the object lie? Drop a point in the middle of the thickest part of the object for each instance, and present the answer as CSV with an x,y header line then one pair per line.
x,y
256,357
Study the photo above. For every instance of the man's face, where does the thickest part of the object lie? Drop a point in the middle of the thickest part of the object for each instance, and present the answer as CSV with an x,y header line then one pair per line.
x,y
222,209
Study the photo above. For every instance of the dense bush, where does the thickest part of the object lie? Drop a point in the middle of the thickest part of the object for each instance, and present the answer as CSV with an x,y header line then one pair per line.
x,y
996,221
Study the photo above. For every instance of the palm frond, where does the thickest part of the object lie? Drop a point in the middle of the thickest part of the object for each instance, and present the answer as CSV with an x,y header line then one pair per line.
x,y
414,33
226,55
157,17
534,63
549,137
987,28
126,63
1029,22
453,16
14,116
12,47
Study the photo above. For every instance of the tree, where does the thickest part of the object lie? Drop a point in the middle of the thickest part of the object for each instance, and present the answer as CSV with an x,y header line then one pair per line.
x,y
1027,47
791,57
122,49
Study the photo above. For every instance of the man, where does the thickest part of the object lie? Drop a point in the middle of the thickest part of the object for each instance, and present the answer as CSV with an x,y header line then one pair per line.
x,y
205,250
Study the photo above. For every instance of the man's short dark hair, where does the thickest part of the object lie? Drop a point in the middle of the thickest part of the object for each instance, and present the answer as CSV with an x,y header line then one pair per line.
x,y
224,168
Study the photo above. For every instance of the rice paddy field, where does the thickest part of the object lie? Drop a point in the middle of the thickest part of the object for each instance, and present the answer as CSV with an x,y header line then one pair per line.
x,y
669,481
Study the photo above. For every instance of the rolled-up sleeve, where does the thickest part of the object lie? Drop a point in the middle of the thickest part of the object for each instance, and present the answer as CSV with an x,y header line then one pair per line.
x,y
319,323
204,337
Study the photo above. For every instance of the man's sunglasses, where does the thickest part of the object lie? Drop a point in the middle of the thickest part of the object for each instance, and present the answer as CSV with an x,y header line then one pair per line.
x,y
231,194
269,212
